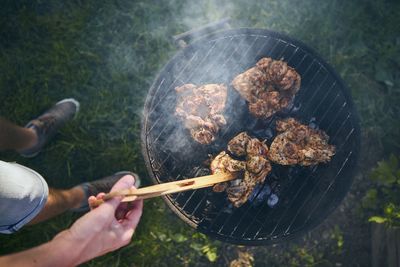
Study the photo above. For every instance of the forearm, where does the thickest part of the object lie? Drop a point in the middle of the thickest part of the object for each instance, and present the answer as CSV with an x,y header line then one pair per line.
x,y
94,234
61,251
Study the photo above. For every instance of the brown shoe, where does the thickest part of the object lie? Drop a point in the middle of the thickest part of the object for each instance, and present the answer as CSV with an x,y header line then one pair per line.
x,y
47,124
102,185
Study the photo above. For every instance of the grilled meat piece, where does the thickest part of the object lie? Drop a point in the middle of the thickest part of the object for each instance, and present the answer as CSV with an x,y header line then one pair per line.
x,y
224,163
237,145
255,167
299,144
200,108
256,148
268,87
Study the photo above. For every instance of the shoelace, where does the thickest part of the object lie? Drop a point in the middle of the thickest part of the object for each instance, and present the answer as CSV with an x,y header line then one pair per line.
x,y
45,123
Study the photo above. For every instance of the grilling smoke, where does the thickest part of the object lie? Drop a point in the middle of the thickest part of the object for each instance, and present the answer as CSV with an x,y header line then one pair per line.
x,y
135,55
152,41
191,17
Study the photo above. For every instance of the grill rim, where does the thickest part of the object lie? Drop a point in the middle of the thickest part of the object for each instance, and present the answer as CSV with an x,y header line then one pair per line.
x,y
343,88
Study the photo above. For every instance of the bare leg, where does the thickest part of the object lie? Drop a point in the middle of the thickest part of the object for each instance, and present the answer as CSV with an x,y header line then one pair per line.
x,y
58,202
15,137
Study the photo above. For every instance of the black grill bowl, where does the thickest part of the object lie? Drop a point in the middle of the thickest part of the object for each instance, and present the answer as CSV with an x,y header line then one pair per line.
x,y
307,195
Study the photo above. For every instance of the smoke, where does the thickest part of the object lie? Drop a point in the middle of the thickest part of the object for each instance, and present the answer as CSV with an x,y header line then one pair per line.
x,y
216,62
195,14
136,41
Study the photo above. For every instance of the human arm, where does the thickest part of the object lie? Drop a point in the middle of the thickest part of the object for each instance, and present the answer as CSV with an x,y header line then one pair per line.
x,y
94,234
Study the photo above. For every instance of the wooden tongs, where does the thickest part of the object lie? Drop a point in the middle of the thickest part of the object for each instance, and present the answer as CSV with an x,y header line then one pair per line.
x,y
168,188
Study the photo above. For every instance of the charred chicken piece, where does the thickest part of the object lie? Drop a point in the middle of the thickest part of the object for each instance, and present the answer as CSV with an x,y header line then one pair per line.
x,y
256,148
223,163
268,87
200,108
255,167
237,145
299,144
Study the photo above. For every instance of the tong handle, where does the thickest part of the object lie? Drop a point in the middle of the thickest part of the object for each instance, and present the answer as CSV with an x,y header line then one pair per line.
x,y
168,188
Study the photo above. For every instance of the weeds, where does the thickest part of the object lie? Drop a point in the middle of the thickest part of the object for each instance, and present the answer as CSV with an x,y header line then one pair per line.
x,y
383,201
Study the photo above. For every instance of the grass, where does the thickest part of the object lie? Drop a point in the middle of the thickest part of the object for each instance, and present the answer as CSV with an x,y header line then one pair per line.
x,y
107,53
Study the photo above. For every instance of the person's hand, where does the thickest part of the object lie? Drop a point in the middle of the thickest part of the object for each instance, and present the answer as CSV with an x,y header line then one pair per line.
x,y
108,227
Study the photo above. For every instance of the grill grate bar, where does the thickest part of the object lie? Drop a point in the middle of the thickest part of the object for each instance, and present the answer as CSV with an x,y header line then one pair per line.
x,y
236,67
203,199
188,200
169,155
337,115
190,65
256,219
292,55
330,107
313,171
218,215
330,185
324,97
242,217
177,79
223,136
334,136
292,201
269,124
313,113
228,218
304,183
165,160
154,124
233,52
316,186
170,196
187,65
167,126
257,55
302,60
212,66
294,198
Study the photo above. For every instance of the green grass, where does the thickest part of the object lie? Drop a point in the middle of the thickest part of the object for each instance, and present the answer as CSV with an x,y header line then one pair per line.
x,y
107,53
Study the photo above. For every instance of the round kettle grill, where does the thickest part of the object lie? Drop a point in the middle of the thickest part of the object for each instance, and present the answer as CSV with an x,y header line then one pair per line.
x,y
302,196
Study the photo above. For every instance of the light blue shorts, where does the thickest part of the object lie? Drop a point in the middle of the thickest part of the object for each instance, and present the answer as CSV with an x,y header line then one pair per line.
x,y
23,194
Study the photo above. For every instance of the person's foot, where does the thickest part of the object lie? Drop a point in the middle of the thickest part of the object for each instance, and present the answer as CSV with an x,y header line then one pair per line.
x,y
47,124
102,185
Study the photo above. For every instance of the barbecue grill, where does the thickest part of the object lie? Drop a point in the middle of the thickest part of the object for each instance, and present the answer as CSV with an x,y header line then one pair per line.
x,y
305,196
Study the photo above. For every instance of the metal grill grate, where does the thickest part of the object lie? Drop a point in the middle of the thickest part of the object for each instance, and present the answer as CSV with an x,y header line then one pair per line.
x,y
307,195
